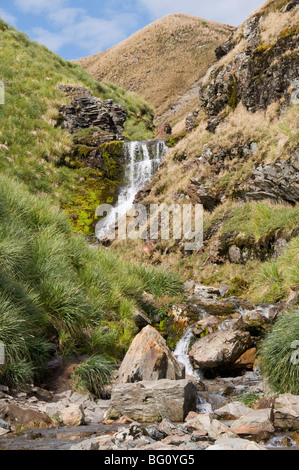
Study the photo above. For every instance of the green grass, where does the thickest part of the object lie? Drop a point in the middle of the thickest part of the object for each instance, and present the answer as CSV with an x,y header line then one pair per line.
x,y
279,355
93,375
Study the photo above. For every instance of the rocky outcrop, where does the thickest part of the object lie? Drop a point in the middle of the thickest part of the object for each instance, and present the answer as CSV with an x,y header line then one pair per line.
x,y
219,349
277,181
24,418
149,358
257,77
87,111
149,402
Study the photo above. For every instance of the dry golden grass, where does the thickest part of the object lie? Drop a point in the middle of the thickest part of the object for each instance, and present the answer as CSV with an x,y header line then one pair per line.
x,y
162,61
273,25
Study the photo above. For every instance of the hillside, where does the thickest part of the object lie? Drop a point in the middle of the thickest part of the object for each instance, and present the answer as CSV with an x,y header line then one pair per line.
x,y
239,159
57,296
162,62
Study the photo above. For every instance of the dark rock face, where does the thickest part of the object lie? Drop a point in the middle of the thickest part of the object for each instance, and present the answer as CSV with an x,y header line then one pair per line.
x,y
224,49
257,77
87,111
277,181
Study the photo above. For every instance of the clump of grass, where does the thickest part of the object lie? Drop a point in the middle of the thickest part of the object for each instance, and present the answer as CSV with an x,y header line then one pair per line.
x,y
93,375
279,355
249,399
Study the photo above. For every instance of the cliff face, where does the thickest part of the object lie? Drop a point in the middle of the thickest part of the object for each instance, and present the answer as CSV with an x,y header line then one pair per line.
x,y
240,160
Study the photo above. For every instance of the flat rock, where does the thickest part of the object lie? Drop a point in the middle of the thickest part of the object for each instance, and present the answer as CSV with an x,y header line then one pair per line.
x,y
235,444
257,424
232,411
149,402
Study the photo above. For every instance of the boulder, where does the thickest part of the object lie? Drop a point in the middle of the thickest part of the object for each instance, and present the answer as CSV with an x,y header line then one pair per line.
x,y
72,416
149,402
257,424
141,319
149,358
286,412
235,444
219,349
232,411
24,418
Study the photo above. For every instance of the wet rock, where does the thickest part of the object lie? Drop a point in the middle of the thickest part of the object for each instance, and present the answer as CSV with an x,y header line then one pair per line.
x,y
232,411
257,424
72,416
149,358
219,349
149,402
206,326
286,413
247,360
235,444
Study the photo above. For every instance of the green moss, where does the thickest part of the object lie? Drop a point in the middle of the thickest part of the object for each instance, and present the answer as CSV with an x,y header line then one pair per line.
x,y
175,139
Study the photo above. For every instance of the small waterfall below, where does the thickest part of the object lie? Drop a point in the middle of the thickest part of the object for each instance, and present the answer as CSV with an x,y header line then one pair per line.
x,y
182,353
142,161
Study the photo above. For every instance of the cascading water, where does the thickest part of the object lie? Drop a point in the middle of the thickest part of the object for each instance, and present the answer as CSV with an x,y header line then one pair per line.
x,y
143,160
182,353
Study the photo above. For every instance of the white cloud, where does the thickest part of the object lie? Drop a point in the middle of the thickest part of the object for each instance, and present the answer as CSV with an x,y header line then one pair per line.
x,y
10,19
226,11
90,34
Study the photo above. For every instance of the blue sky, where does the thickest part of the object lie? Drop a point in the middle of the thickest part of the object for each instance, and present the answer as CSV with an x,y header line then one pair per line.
x,y
74,28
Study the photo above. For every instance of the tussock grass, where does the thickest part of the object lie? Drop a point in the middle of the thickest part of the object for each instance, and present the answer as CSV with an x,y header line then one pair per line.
x,y
279,355
93,375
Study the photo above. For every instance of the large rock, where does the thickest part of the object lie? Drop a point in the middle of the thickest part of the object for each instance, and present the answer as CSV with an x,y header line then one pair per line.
x,y
219,349
73,415
149,358
149,402
24,418
257,424
286,413
233,411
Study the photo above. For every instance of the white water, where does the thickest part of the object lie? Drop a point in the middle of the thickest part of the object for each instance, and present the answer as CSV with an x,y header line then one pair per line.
x,y
143,160
182,353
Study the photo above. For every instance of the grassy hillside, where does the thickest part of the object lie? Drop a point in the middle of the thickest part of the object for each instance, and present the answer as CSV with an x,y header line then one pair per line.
x,y
162,61
55,291
220,164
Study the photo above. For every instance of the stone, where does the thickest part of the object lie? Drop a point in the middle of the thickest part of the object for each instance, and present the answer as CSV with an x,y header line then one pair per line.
x,y
149,358
286,412
219,349
150,402
234,254
164,129
209,427
72,416
25,418
257,424
235,444
247,360
232,411
140,319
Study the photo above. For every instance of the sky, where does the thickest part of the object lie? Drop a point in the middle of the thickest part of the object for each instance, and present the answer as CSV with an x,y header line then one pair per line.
x,y
75,29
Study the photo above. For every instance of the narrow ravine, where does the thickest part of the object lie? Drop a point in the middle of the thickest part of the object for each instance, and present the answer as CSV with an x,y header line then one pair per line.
x,y
142,161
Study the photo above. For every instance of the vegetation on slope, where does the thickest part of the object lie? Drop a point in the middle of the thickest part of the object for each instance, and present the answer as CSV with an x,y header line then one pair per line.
x,y
162,61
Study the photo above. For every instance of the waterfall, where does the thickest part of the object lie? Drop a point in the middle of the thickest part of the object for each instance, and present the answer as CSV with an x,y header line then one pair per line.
x,y
142,161
182,353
